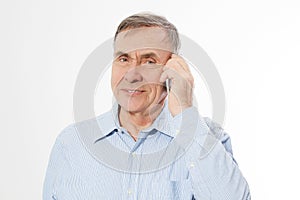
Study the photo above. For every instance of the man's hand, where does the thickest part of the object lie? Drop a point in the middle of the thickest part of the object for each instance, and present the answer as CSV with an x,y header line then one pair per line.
x,y
182,82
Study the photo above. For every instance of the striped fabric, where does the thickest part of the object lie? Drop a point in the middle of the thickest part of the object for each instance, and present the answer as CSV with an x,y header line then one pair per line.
x,y
203,169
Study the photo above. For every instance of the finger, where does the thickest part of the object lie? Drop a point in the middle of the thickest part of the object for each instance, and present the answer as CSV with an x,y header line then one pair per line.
x,y
173,65
174,75
178,65
179,69
181,62
164,76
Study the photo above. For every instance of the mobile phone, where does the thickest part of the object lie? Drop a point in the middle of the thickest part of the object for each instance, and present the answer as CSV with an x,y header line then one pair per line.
x,y
168,84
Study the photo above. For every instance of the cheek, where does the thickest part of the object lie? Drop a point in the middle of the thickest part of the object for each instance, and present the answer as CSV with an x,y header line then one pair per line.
x,y
116,76
153,75
157,90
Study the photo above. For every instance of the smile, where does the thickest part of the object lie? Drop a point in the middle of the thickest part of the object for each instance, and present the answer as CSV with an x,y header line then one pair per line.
x,y
133,92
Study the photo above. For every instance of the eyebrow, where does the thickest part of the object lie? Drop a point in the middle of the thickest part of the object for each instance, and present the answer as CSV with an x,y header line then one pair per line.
x,y
120,53
149,55
146,55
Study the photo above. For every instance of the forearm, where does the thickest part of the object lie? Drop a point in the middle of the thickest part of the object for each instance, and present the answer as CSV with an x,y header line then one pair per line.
x,y
217,176
213,171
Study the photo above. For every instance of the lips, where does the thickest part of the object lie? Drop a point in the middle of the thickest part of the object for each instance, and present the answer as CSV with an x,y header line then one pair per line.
x,y
133,91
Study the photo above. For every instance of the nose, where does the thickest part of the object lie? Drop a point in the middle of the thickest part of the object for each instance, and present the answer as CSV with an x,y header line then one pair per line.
x,y
133,75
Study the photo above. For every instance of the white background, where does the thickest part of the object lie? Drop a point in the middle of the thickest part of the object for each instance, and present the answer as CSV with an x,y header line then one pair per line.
x,y
255,46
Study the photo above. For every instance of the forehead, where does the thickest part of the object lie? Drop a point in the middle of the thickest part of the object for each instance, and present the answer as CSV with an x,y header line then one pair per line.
x,y
142,38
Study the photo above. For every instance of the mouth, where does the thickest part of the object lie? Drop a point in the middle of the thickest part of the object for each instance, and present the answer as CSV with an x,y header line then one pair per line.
x,y
134,92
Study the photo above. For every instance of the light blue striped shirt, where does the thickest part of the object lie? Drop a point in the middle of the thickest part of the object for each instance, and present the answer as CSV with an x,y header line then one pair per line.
x,y
185,157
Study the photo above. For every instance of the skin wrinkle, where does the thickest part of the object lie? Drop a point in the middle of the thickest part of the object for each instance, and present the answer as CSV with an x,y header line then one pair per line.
x,y
151,38
138,112
140,90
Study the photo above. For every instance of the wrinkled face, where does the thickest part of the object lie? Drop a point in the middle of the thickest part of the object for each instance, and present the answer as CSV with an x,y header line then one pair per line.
x,y
139,57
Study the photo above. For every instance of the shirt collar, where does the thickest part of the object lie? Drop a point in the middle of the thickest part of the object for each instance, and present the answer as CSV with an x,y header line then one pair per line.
x,y
109,123
163,123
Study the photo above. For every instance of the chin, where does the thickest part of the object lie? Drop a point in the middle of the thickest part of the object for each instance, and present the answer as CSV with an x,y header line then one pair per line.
x,y
132,109
133,106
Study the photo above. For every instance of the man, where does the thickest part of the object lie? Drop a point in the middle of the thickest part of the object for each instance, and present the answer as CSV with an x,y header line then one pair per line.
x,y
153,144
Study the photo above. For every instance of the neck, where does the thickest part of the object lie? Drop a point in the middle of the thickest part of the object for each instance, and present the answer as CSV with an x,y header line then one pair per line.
x,y
134,122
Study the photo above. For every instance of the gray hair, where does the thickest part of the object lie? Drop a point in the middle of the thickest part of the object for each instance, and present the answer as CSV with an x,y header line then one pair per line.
x,y
151,20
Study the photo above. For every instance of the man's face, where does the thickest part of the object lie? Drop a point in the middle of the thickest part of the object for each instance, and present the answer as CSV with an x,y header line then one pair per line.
x,y
136,69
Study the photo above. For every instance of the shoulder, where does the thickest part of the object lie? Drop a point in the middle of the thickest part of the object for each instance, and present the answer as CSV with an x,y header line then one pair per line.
x,y
215,128
219,133
70,134
67,135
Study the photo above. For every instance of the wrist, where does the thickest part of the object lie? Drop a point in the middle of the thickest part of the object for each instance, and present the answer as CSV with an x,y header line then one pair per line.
x,y
179,109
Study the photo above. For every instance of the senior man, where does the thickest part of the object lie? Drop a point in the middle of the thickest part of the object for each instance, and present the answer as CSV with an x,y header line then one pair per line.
x,y
152,144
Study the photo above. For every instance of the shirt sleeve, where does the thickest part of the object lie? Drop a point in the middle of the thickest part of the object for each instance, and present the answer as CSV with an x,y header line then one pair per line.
x,y
213,171
57,166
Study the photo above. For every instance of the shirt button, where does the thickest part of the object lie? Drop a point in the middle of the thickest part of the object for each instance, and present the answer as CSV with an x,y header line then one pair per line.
x,y
177,132
129,191
192,165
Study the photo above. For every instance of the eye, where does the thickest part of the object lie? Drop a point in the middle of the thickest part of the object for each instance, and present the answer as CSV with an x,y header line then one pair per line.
x,y
123,59
149,61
